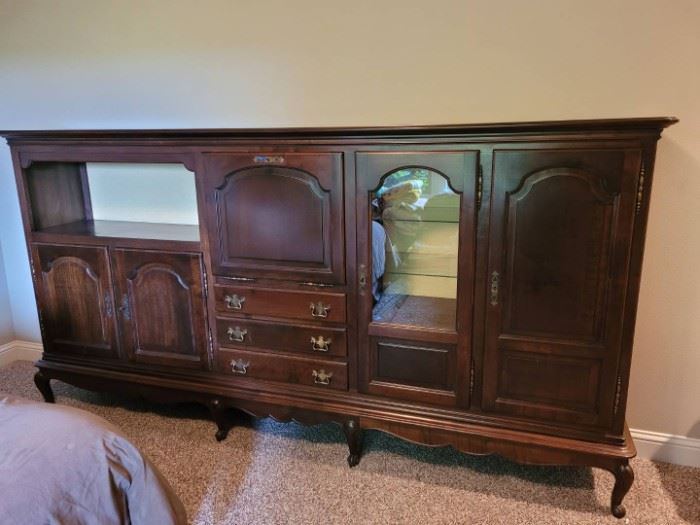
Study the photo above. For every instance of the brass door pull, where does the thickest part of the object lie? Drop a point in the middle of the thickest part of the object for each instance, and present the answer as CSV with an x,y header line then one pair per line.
x,y
234,302
495,278
236,334
321,377
319,310
238,366
320,344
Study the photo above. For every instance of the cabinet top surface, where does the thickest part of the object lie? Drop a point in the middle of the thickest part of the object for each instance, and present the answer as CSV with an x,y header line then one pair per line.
x,y
596,125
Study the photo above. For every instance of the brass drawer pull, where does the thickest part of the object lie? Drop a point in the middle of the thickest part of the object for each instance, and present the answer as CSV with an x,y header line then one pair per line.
x,y
319,310
238,366
320,344
236,334
321,377
234,302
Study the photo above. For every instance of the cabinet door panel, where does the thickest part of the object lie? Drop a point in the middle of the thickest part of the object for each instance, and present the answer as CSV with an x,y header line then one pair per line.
x,y
161,307
561,227
278,216
415,223
76,303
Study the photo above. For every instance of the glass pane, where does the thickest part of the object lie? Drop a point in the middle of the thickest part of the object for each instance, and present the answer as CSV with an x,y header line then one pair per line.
x,y
415,237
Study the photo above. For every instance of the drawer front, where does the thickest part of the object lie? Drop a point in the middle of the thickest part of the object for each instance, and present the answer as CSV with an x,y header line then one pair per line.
x,y
284,369
291,304
288,338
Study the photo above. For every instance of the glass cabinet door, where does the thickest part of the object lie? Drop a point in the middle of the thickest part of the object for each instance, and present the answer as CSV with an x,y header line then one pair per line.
x,y
416,218
414,244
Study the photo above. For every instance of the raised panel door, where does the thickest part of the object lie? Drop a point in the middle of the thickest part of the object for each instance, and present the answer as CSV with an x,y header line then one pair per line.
x,y
161,307
561,224
277,216
76,304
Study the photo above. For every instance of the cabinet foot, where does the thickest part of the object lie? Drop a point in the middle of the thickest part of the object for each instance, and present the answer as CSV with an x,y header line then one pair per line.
x,y
624,476
353,434
218,414
43,384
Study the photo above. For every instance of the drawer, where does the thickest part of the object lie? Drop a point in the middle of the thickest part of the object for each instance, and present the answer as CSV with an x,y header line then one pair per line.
x,y
321,341
291,304
284,369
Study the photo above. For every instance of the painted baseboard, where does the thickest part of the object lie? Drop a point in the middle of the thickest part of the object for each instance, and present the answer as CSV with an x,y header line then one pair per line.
x,y
20,351
669,448
679,450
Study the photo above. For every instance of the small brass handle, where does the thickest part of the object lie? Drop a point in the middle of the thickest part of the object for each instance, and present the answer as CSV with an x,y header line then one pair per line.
x,y
362,279
320,344
321,377
238,366
234,302
236,334
319,310
495,278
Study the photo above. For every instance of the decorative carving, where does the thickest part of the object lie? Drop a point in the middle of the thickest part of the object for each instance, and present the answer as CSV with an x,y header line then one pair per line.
x,y
640,187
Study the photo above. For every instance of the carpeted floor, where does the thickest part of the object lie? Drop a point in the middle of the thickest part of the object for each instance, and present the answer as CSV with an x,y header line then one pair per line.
x,y
272,473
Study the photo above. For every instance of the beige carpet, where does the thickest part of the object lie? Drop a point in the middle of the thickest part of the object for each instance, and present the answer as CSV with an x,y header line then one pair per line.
x,y
272,473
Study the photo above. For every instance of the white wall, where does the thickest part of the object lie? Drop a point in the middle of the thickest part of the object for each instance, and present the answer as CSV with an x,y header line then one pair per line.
x,y
142,192
7,333
169,63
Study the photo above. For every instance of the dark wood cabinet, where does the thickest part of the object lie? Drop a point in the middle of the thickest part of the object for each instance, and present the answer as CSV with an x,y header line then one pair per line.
x,y
77,304
472,286
161,307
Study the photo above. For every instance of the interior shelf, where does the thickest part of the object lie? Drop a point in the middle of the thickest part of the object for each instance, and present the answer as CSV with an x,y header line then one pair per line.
x,y
91,229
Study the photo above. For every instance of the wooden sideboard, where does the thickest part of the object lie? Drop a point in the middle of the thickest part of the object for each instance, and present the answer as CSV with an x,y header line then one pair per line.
x,y
469,285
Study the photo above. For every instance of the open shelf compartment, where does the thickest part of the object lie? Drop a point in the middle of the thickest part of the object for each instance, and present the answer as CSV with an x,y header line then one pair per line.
x,y
86,202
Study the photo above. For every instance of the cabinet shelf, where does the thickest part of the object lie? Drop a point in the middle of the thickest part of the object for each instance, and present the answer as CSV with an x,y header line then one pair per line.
x,y
95,232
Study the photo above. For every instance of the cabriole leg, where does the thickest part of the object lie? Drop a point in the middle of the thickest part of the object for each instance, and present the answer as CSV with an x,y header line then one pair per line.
x,y
43,384
624,476
353,434
218,414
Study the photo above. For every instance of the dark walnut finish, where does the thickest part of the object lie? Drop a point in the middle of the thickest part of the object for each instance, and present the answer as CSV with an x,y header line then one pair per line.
x,y
472,286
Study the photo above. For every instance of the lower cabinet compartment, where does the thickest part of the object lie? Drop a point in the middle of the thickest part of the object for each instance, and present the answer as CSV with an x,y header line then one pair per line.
x,y
416,371
283,369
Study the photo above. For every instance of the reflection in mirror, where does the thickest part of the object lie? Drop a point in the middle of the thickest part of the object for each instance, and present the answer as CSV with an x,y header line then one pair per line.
x,y
415,239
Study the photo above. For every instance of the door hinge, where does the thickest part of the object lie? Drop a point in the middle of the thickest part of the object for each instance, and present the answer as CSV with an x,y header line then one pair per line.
x,y
471,380
618,390
206,281
640,187
125,309
479,187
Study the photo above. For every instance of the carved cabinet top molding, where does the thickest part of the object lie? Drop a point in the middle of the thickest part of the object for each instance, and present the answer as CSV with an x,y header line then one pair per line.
x,y
470,285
